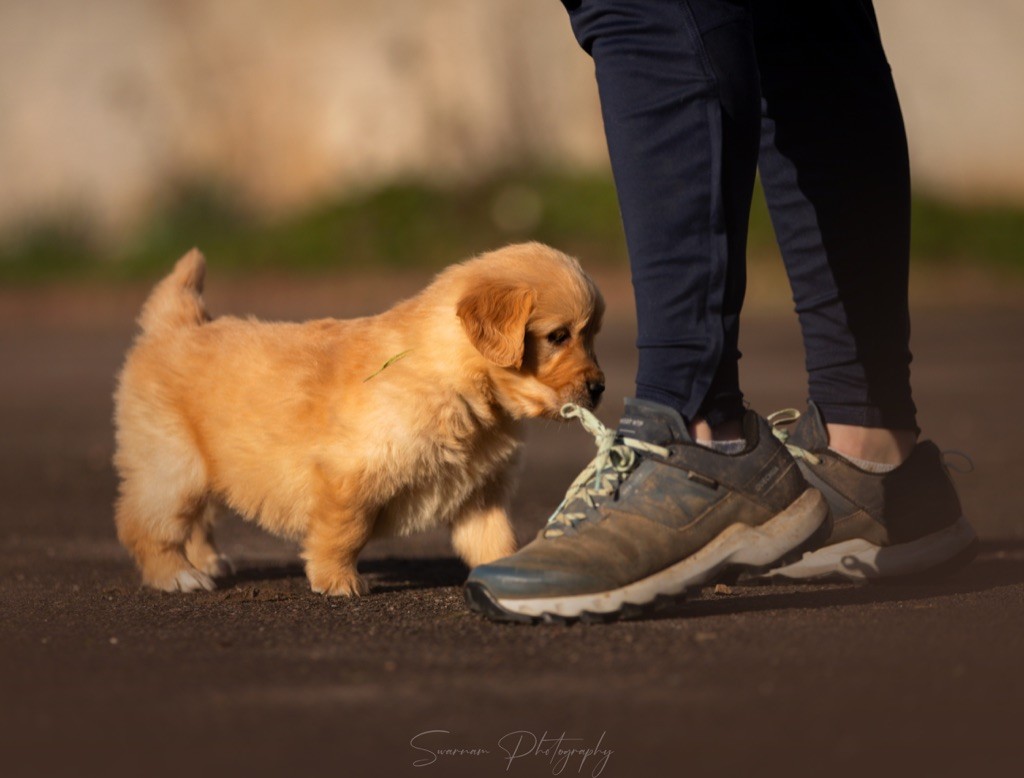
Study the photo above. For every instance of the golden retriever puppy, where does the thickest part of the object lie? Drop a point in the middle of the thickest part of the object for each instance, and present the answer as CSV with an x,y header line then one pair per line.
x,y
332,432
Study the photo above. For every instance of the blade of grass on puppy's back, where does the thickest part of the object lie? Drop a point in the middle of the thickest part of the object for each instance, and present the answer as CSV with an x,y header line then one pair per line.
x,y
386,365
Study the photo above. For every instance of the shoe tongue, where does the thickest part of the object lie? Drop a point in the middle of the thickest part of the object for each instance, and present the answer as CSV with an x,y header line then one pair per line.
x,y
652,422
809,432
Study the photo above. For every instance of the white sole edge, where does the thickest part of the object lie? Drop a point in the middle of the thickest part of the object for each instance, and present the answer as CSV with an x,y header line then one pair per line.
x,y
737,544
860,560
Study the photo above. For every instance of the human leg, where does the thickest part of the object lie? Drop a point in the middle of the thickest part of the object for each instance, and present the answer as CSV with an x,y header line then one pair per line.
x,y
836,175
678,89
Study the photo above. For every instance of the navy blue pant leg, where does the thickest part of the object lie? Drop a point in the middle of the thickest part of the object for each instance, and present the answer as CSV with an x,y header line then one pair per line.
x,y
835,170
682,131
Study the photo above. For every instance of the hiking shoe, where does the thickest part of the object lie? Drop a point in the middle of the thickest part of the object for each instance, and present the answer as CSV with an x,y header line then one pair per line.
x,y
652,515
884,525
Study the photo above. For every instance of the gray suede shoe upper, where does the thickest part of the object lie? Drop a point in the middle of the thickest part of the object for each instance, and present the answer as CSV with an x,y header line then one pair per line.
x,y
914,500
651,498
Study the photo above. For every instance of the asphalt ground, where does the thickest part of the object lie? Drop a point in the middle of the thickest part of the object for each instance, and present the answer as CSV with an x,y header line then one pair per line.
x,y
262,677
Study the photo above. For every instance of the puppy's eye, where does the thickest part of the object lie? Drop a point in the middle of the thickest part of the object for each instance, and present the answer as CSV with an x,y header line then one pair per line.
x,y
558,337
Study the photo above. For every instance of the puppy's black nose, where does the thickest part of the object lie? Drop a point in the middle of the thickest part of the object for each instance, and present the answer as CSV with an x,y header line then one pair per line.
x,y
596,389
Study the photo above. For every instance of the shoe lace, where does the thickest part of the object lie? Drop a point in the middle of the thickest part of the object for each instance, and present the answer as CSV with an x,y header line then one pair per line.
x,y
950,455
787,416
616,458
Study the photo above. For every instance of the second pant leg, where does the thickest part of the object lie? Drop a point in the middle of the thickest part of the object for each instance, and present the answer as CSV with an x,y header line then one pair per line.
x,y
835,170
680,102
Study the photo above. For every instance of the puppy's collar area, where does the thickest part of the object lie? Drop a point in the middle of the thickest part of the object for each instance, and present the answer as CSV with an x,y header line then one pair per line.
x,y
616,458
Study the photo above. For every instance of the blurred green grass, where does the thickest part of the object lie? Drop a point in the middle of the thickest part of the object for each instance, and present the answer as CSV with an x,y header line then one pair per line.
x,y
419,226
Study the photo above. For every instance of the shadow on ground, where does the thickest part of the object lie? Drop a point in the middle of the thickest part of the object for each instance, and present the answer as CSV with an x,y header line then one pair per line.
x,y
996,564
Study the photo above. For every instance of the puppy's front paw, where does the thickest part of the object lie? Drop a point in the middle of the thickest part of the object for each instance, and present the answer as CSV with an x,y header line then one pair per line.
x,y
194,580
218,566
337,582
190,580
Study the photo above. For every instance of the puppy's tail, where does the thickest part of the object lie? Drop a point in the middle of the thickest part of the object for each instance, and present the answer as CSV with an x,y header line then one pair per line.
x,y
177,301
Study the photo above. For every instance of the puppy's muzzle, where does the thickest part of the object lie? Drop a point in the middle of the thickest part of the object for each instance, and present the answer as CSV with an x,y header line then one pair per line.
x,y
595,388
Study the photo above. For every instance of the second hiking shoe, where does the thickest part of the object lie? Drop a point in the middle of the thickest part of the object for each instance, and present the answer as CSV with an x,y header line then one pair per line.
x,y
885,525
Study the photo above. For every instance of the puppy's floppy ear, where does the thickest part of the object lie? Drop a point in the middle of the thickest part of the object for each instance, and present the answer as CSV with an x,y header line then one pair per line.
x,y
494,316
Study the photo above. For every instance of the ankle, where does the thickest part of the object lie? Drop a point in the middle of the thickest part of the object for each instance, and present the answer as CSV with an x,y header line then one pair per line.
x,y
890,447
702,432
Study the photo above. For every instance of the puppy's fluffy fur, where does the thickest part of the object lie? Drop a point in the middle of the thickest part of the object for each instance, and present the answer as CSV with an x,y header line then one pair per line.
x,y
332,432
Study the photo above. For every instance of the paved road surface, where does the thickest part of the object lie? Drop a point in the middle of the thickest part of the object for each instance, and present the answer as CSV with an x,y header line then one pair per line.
x,y
98,677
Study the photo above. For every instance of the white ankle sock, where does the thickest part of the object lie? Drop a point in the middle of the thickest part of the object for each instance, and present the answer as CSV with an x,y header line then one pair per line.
x,y
867,465
734,446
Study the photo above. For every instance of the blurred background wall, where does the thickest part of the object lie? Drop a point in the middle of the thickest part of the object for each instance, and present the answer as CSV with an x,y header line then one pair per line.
x,y
107,106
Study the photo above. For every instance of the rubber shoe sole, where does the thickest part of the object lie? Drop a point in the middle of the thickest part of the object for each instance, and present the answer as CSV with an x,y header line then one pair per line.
x,y
860,560
738,546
